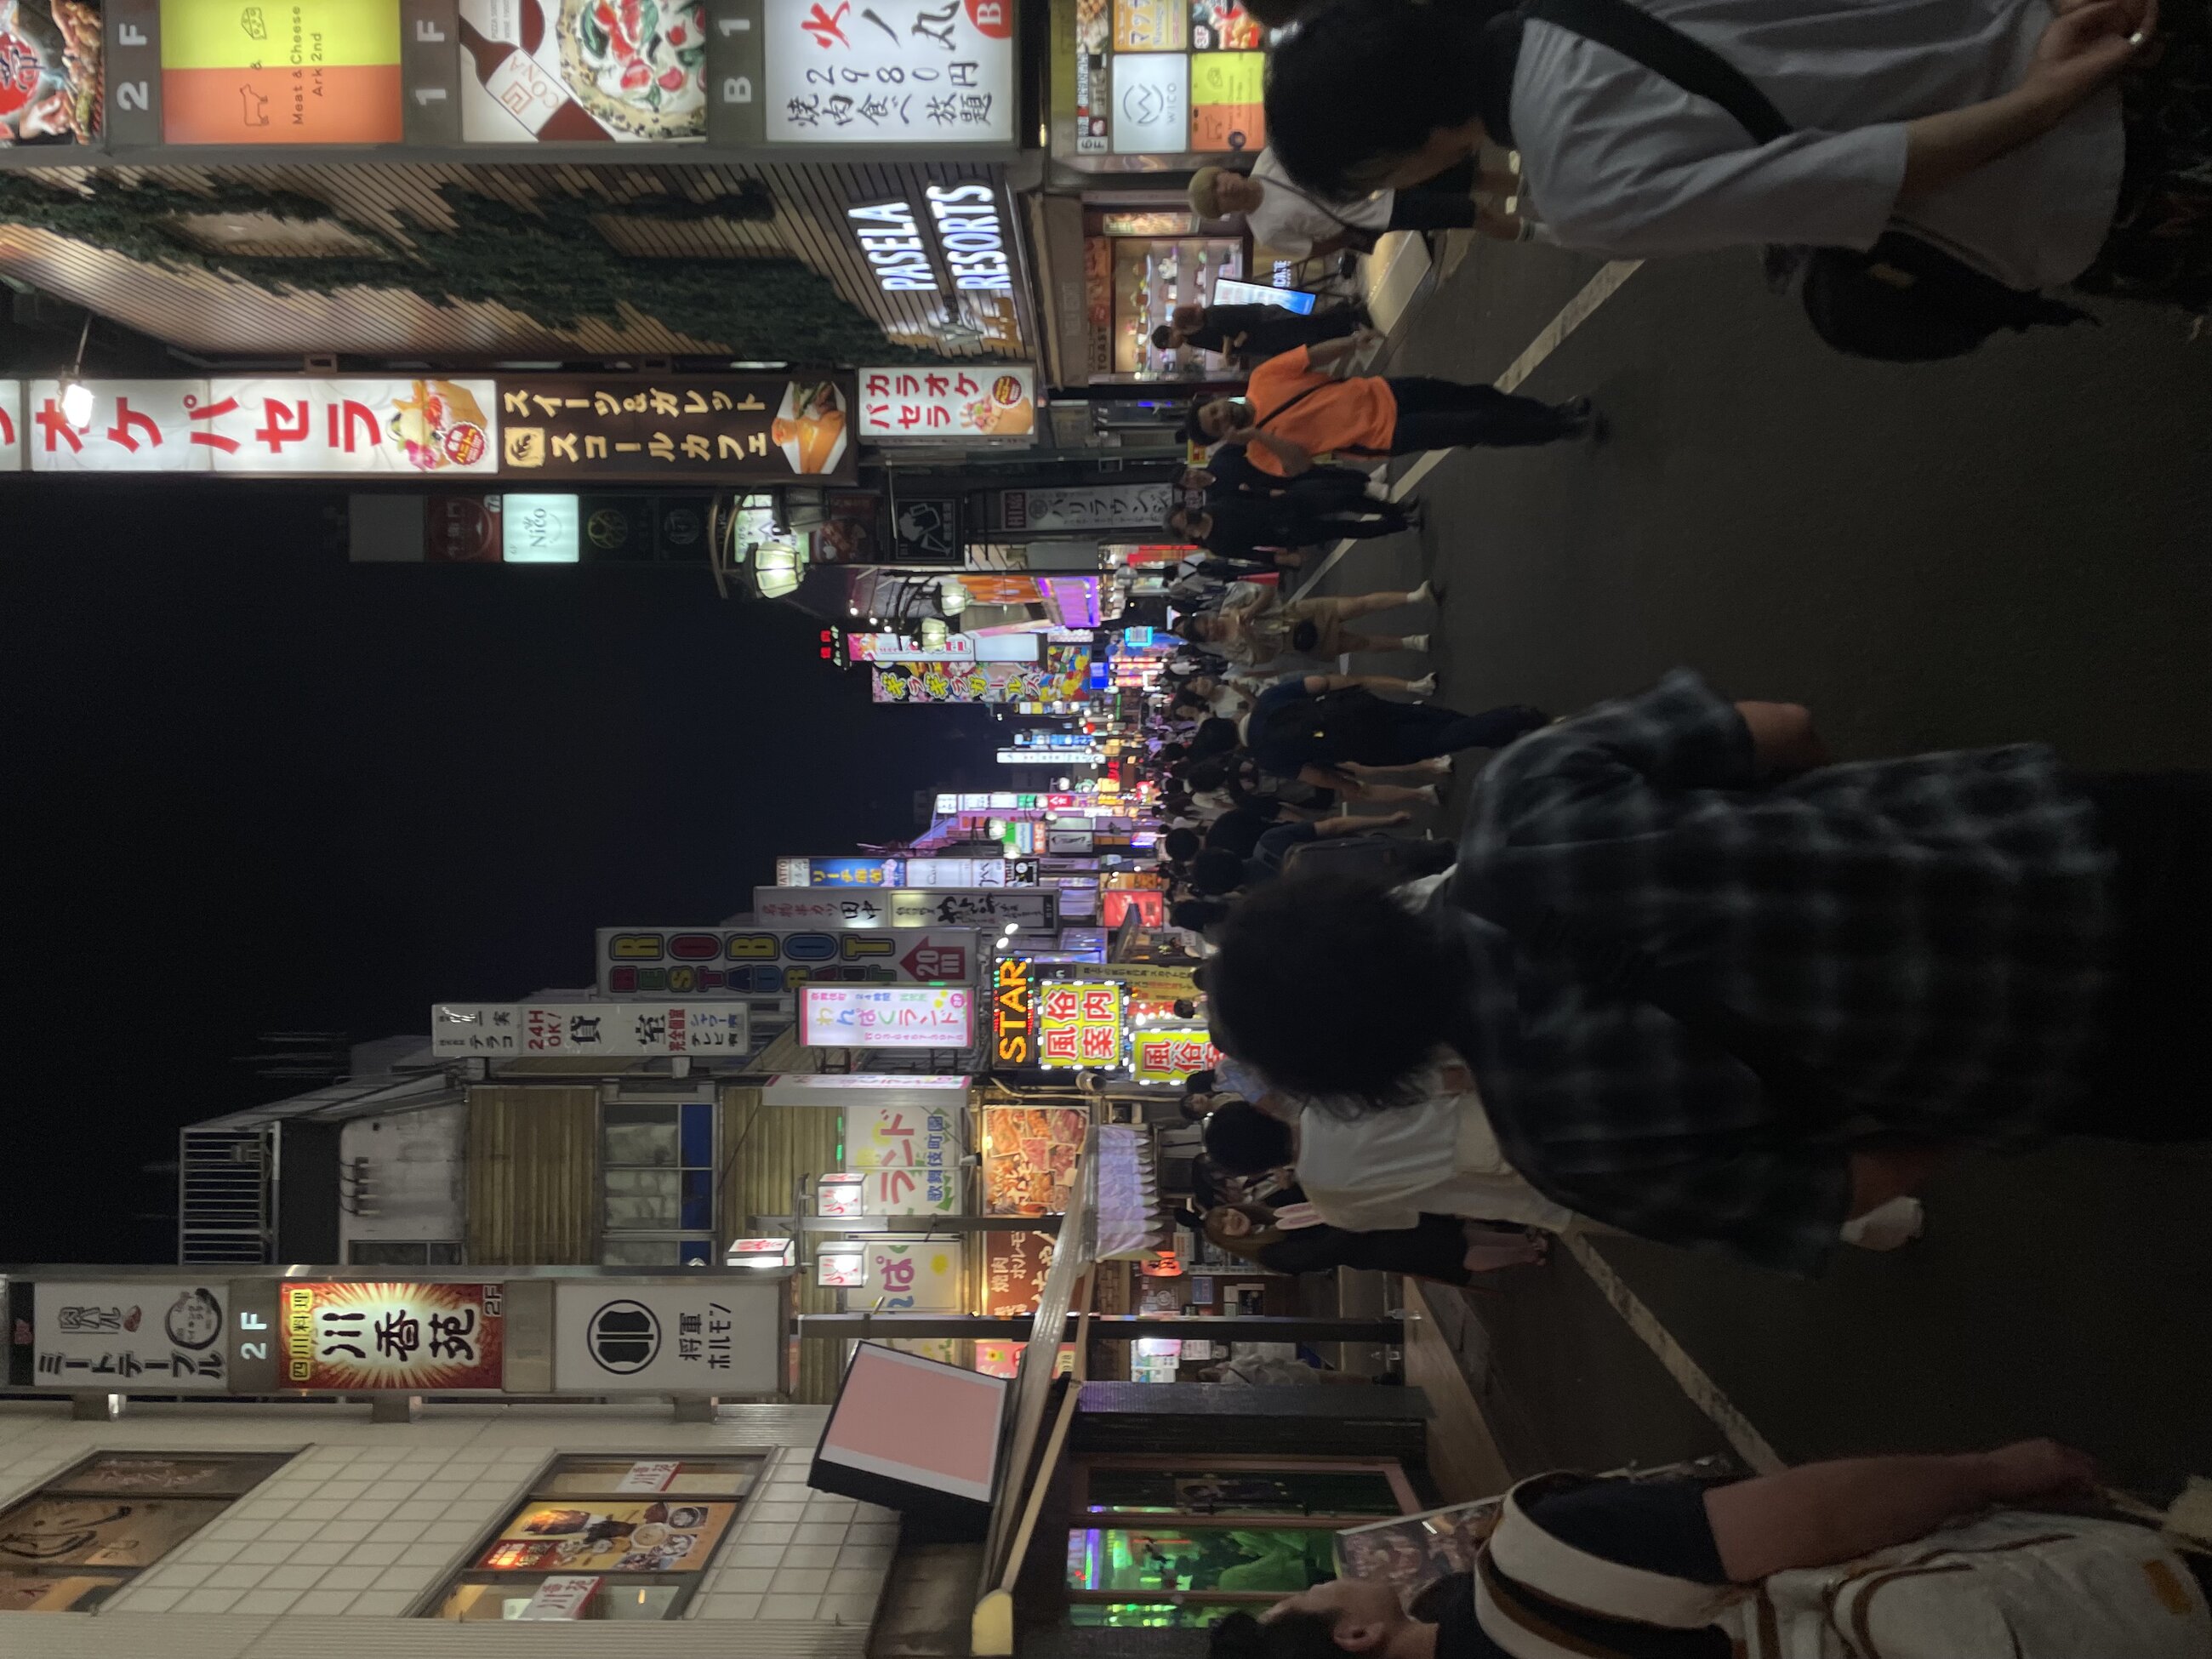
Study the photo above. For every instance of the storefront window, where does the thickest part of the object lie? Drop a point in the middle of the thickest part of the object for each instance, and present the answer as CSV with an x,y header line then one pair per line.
x,y
604,1538
1152,277
84,1534
1276,1560
657,1185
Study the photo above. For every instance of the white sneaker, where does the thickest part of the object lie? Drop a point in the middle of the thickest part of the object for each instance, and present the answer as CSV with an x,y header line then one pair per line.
x,y
1423,686
1414,643
1424,594
1428,793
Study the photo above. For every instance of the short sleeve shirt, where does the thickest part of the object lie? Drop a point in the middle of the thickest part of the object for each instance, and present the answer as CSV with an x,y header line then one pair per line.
x,y
1272,757
1358,416
1290,219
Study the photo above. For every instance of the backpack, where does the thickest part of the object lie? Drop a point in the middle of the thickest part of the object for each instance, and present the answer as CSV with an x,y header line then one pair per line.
x,y
1903,301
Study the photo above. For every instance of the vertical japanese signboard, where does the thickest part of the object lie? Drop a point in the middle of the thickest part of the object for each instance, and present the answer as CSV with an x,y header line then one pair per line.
x,y
902,1138
888,72
361,1336
1171,1054
583,1031
1080,1025
757,961
949,402
885,1017
1031,909
1108,506
722,1337
122,1338
1013,1014
1014,1270
304,426
728,430
11,426
913,1276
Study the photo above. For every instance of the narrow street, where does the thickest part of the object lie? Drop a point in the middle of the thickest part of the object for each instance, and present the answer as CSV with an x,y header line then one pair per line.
x,y
2015,546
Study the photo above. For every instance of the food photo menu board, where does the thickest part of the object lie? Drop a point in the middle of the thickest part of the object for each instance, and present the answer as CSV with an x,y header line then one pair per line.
x,y
1156,78
835,75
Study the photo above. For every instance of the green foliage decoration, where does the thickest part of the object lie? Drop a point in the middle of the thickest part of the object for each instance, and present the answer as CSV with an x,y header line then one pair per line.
x,y
550,264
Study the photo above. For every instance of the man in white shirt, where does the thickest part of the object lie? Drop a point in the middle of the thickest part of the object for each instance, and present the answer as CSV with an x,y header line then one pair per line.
x,y
1990,129
1297,224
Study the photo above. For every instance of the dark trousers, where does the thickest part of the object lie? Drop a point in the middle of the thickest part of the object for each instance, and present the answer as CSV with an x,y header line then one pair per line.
x,y
2149,1084
1332,489
1446,415
1421,730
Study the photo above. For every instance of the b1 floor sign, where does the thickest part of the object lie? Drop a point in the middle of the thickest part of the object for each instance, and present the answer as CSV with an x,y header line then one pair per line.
x,y
714,1337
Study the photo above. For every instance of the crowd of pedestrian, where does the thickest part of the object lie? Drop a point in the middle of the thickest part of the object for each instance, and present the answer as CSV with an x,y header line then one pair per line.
x,y
1683,976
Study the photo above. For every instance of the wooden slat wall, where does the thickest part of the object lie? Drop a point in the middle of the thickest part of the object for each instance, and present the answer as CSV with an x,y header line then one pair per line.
x,y
204,313
533,1176
765,1149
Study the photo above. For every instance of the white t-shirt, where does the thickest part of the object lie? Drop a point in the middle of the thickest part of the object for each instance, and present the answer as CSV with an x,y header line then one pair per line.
x,y
1384,1170
1622,162
1290,219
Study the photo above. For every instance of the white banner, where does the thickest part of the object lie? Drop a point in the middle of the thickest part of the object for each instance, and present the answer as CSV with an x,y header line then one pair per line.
x,y
1106,507
304,426
948,401
721,1336
911,1276
886,1016
624,1030
117,1338
912,71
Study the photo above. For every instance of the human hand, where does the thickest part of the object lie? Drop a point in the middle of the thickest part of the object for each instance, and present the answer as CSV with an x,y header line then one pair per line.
x,y
2085,46
2029,1470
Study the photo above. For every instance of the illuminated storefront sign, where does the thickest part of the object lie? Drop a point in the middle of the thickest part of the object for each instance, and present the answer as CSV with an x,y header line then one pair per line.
x,y
766,960
1107,506
1051,756
949,402
910,1139
885,1017
732,428
895,71
542,70
1171,1054
1164,78
1013,1022
304,426
585,1030
360,1334
1025,909
891,237
115,1336
1080,1025
307,72
50,94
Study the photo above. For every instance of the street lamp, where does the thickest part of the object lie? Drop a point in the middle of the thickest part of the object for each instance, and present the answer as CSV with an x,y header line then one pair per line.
x,y
76,396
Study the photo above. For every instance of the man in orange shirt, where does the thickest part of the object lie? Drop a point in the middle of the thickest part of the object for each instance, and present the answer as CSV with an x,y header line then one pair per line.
x,y
1297,407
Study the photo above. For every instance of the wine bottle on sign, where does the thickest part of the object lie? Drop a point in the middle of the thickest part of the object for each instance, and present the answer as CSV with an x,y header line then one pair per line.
x,y
525,87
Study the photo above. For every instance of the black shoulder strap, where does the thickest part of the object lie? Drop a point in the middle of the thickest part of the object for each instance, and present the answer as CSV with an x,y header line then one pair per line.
x,y
1289,404
1668,53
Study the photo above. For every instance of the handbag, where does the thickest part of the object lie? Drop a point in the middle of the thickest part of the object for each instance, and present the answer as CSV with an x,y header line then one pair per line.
x,y
1904,299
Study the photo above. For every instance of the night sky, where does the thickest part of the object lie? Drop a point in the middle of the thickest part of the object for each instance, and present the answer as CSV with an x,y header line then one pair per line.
x,y
256,788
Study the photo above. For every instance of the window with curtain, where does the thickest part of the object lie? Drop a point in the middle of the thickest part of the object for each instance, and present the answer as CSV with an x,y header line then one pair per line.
x,y
657,1184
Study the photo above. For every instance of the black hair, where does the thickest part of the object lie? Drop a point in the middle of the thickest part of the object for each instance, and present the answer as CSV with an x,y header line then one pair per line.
x,y
1199,1083
1185,1008
1241,1139
1211,772
1192,430
1332,988
1168,753
1214,736
1362,84
1195,915
1285,1636
1182,845
1163,337
1188,627
1217,870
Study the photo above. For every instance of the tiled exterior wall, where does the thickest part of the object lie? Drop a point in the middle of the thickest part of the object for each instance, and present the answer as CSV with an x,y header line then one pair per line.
x,y
368,1518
